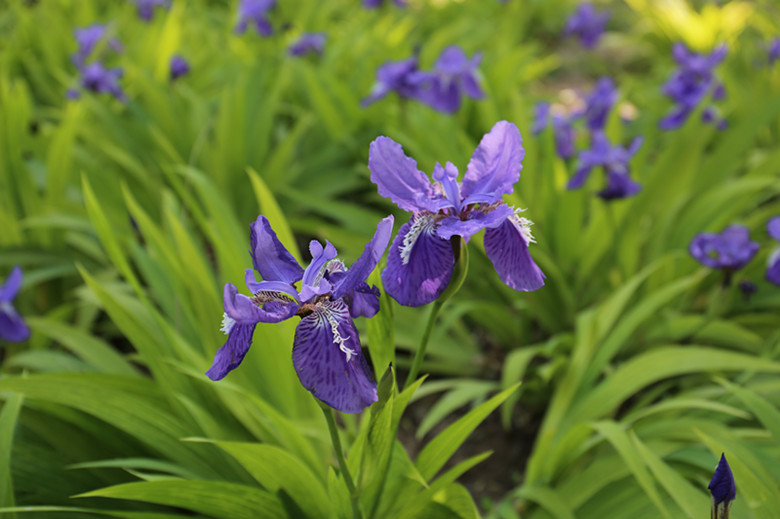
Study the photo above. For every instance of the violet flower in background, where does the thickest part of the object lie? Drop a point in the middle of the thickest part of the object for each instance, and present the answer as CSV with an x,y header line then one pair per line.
x,y
693,80
179,67
12,326
326,350
454,74
88,38
615,161
599,103
255,12
728,251
773,270
146,8
773,51
313,43
587,24
373,4
421,258
722,489
562,126
394,76
96,78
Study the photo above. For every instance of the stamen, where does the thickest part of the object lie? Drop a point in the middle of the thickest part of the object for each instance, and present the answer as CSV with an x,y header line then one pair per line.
x,y
423,222
227,324
337,338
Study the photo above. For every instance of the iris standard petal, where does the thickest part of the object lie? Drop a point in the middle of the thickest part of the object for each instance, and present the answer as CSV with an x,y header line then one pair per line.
x,y
327,357
229,356
475,222
270,258
507,247
373,251
419,263
320,257
773,227
13,282
495,165
245,310
397,177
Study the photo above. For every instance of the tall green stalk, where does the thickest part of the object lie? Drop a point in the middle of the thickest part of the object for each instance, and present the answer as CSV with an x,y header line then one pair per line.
x,y
336,441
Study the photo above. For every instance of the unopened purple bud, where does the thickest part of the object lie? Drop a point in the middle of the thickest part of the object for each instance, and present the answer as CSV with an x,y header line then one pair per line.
x,y
179,67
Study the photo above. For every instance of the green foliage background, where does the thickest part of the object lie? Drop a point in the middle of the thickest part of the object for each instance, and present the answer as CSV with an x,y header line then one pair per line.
x,y
636,366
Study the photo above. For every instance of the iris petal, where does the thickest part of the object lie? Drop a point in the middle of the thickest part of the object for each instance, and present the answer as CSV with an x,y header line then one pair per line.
x,y
229,356
495,165
373,251
270,258
12,326
773,227
397,177
475,222
12,284
507,247
327,357
244,310
419,263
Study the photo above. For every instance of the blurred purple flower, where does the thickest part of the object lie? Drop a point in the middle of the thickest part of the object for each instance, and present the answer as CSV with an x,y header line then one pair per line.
x,y
97,78
255,12
308,43
615,161
599,103
730,250
454,74
691,82
179,67
12,326
88,38
146,7
541,117
587,24
773,51
326,350
722,489
562,126
421,258
373,4
773,270
394,76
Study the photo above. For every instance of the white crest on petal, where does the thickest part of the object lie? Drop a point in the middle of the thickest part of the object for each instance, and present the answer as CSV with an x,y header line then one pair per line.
x,y
523,225
774,257
423,222
337,338
227,324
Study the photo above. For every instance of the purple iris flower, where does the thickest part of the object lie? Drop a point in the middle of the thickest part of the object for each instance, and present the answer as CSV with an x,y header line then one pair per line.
x,y
101,80
179,67
394,76
599,103
373,4
454,74
773,271
730,250
308,43
255,12
12,326
326,350
722,489
615,161
587,24
88,38
146,7
691,82
773,51
421,258
562,126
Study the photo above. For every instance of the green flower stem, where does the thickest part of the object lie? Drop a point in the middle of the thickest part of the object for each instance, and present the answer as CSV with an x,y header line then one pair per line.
x,y
334,438
459,272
